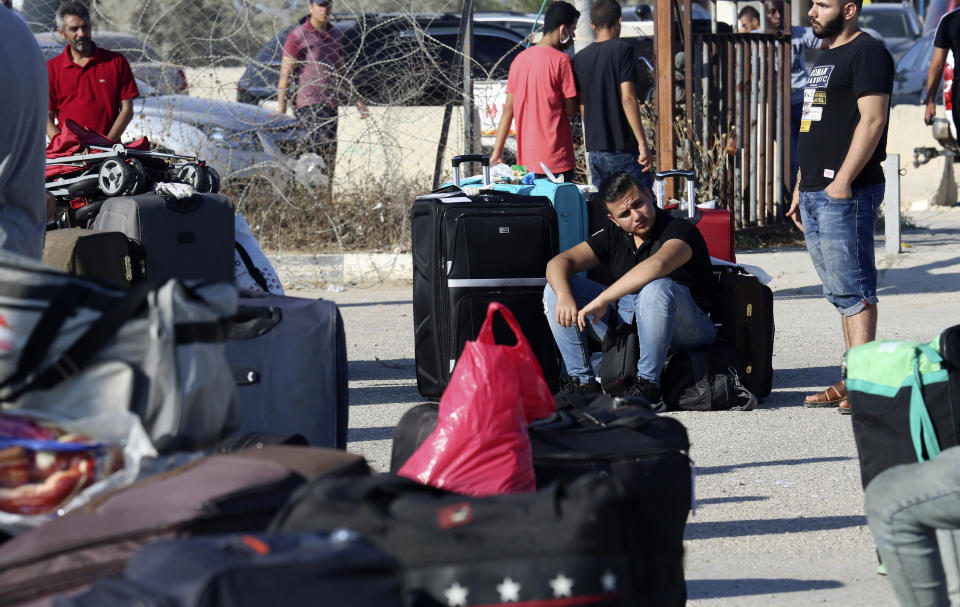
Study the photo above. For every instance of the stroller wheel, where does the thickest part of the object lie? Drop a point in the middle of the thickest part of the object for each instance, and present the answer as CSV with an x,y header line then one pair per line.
x,y
114,177
138,177
193,175
213,178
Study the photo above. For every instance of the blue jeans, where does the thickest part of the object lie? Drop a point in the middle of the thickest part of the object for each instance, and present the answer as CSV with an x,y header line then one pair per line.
x,y
839,237
604,164
667,320
914,514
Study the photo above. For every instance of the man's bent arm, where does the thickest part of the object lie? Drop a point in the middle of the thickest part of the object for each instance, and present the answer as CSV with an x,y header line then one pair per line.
x,y
873,117
934,74
123,119
628,98
673,254
52,129
570,106
496,156
559,271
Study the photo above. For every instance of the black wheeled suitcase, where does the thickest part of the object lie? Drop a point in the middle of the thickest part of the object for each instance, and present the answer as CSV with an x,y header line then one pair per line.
x,y
467,252
190,238
744,310
569,544
295,570
289,356
104,255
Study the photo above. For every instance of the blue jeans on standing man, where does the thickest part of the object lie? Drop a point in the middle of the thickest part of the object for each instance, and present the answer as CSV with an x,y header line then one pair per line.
x,y
604,164
914,514
839,237
668,319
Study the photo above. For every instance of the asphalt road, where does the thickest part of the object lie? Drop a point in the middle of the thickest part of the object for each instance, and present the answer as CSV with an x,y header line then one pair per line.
x,y
779,514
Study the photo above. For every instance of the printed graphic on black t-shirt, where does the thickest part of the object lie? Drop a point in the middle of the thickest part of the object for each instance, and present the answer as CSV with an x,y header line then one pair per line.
x,y
830,111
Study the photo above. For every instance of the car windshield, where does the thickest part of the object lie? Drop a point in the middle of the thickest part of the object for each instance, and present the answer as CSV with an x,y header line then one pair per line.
x,y
889,24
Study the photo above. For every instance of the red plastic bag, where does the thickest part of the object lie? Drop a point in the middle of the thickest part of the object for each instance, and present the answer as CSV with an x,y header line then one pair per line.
x,y
480,445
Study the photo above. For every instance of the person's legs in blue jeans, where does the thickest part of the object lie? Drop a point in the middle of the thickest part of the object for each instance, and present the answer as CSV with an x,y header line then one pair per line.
x,y
668,319
572,342
905,507
604,164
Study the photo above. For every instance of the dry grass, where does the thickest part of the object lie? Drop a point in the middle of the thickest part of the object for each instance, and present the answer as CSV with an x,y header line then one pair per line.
x,y
293,218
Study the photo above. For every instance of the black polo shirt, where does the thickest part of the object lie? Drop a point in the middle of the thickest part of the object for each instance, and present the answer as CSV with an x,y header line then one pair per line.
x,y
616,250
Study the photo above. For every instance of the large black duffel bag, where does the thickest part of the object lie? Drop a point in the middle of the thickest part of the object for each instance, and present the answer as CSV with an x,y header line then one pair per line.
x,y
904,399
570,544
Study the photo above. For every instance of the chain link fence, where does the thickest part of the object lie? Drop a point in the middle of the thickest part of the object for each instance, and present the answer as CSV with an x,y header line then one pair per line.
x,y
195,60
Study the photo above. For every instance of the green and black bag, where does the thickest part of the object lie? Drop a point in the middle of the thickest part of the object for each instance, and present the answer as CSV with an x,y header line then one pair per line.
x,y
905,400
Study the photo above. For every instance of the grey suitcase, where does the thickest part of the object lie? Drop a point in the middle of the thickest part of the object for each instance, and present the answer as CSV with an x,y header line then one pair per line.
x,y
289,356
190,238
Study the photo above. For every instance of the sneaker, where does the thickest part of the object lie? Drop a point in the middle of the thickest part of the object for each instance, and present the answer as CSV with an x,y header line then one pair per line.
x,y
573,386
645,390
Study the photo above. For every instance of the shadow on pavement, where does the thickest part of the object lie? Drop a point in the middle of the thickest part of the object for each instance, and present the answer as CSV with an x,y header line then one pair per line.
x,y
699,531
382,395
382,369
804,377
731,500
360,304
701,470
714,589
357,435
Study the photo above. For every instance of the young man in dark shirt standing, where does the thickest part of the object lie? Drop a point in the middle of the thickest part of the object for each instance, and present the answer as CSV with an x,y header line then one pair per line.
x,y
946,40
843,141
604,73
663,280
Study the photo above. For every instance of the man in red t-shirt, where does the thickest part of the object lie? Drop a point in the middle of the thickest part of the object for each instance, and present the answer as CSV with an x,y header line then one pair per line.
x,y
542,94
92,86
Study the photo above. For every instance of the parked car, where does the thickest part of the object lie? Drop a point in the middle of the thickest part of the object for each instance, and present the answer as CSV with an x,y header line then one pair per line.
x,y
238,139
395,59
898,25
145,62
935,11
910,75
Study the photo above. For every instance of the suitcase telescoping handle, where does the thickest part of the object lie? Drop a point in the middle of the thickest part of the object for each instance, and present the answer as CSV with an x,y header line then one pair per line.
x,y
484,161
691,177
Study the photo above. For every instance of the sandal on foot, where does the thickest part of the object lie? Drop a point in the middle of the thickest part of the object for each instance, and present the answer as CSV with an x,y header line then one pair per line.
x,y
844,407
831,397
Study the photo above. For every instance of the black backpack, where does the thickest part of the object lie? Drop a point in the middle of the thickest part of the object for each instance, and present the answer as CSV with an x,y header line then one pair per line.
x,y
705,379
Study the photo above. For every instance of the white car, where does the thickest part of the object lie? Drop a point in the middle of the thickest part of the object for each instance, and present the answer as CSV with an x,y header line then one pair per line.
x,y
238,139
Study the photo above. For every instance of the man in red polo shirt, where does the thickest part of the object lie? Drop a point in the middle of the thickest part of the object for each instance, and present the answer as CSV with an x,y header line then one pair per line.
x,y
90,85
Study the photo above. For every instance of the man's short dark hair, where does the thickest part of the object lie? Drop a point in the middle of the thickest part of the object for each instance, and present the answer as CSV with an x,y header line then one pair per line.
x,y
749,11
559,13
615,187
605,14
72,7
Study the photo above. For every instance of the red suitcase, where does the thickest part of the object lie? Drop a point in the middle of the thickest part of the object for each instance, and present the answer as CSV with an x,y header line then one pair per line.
x,y
716,225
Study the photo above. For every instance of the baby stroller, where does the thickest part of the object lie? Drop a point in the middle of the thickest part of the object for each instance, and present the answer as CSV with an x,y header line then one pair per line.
x,y
84,168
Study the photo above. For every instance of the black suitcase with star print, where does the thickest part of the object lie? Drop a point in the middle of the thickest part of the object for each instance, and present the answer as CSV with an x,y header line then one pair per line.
x,y
569,544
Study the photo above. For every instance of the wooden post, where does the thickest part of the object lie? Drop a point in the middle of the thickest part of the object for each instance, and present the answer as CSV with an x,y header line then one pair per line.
x,y
665,50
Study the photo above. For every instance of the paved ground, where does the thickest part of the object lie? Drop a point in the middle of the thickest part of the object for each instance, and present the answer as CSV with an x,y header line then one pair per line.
x,y
779,517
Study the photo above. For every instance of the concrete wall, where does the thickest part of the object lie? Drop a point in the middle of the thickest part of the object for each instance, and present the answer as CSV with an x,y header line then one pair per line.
x,y
906,131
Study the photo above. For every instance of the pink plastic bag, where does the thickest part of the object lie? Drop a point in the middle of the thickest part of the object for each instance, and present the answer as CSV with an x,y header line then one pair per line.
x,y
480,445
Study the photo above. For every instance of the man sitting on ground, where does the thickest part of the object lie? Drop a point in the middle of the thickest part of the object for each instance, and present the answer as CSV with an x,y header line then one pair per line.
x,y
664,281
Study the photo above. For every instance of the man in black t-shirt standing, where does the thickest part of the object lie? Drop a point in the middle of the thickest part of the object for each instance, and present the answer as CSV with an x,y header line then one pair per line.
x,y
664,282
946,40
843,141
604,73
